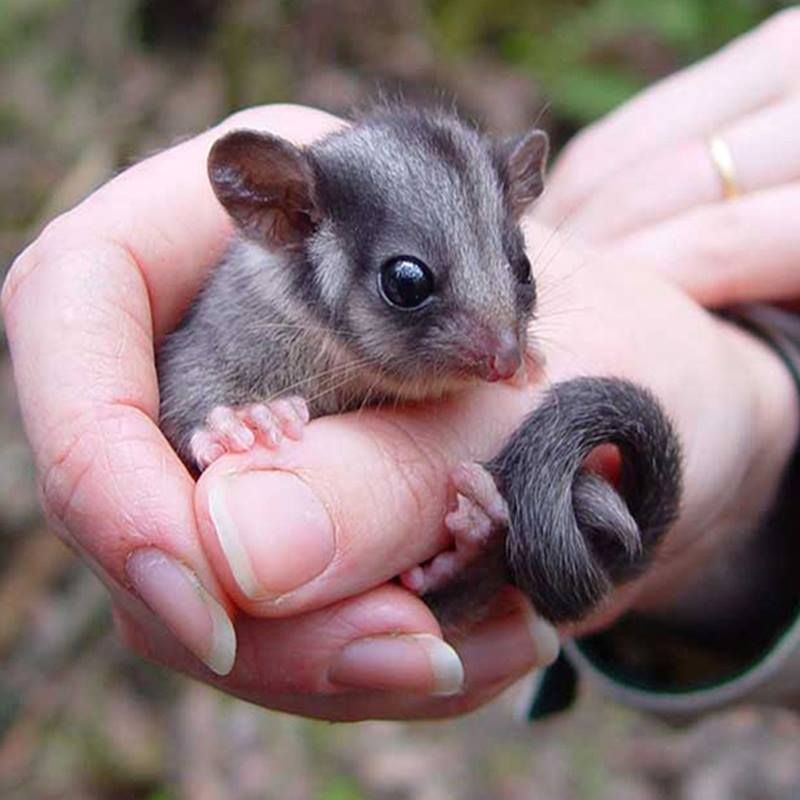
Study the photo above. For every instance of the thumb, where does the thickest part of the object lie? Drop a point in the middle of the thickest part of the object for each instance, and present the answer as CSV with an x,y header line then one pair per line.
x,y
358,500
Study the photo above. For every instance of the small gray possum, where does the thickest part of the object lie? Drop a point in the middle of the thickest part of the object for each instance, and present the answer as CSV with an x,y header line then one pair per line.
x,y
385,263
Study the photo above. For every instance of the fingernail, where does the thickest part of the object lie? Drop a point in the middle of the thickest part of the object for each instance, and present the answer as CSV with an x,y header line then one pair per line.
x,y
527,692
499,649
545,639
273,530
410,662
175,595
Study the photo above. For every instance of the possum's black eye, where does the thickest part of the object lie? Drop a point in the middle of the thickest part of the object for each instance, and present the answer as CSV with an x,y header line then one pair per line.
x,y
522,269
405,282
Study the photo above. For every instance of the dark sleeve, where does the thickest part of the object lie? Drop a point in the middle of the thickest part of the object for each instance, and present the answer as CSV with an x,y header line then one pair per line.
x,y
743,648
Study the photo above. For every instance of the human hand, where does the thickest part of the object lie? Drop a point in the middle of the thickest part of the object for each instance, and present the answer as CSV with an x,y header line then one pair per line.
x,y
84,306
327,522
642,185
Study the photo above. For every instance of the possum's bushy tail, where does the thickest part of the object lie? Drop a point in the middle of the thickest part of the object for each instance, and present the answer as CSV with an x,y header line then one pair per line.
x,y
573,536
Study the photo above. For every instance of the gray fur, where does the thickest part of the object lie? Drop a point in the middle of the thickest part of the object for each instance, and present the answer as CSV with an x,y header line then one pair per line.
x,y
573,536
246,339
294,308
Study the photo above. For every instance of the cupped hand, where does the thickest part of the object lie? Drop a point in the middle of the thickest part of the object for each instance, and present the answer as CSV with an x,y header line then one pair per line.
x,y
84,306
642,184
270,578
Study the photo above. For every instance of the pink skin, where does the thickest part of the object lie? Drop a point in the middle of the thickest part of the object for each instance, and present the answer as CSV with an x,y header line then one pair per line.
x,y
496,354
480,516
231,429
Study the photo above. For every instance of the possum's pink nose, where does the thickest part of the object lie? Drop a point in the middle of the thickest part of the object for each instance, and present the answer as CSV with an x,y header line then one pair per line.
x,y
505,359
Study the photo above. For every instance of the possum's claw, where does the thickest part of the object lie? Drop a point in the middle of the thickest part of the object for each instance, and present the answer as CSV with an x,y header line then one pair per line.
x,y
237,429
478,521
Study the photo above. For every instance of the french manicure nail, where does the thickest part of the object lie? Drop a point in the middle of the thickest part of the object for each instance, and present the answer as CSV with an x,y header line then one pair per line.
x,y
409,662
175,595
545,639
273,530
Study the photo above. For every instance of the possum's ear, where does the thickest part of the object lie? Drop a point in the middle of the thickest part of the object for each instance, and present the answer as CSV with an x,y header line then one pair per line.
x,y
266,184
521,162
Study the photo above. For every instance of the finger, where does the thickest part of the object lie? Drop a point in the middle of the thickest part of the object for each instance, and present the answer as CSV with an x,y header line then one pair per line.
x,y
79,330
358,500
387,640
764,146
738,251
751,72
162,216
765,153
79,320
495,655
374,656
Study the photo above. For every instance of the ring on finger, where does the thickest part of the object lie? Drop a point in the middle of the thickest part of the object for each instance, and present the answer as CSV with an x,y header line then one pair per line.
x,y
722,159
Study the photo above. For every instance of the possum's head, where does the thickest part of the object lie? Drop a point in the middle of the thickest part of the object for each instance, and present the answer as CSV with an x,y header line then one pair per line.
x,y
403,236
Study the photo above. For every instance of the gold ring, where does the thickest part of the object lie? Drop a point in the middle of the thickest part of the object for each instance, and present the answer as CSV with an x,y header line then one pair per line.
x,y
722,159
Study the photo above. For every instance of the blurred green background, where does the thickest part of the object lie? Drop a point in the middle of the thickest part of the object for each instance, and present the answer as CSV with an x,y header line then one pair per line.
x,y
89,86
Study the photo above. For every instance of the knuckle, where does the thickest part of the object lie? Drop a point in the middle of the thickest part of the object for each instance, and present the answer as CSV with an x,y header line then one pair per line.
x,y
76,449
716,246
570,183
415,469
61,478
55,234
270,115
95,477
718,250
59,237
24,264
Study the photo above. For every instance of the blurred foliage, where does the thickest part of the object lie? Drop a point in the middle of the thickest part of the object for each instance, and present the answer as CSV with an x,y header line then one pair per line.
x,y
591,56
341,788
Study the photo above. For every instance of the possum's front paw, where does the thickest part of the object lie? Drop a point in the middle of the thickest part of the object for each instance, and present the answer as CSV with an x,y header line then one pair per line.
x,y
236,429
478,524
